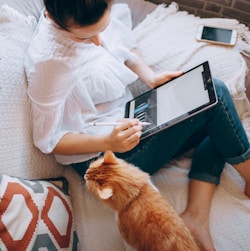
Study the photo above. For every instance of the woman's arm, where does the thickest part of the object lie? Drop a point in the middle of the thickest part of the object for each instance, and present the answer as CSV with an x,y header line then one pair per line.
x,y
123,138
147,75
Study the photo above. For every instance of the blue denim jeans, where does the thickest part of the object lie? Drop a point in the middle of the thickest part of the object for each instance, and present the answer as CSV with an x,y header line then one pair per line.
x,y
217,135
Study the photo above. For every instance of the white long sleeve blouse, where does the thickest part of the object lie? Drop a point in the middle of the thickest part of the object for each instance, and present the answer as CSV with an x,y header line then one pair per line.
x,y
71,84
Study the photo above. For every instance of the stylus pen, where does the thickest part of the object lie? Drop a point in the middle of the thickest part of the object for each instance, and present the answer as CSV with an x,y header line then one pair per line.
x,y
114,123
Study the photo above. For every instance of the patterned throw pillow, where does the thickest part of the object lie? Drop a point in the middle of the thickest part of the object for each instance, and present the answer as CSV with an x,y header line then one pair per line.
x,y
36,214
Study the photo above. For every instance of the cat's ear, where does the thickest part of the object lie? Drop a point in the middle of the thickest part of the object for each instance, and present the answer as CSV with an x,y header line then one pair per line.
x,y
105,193
109,158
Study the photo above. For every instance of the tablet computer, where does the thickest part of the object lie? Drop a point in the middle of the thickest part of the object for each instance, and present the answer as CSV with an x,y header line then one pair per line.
x,y
174,101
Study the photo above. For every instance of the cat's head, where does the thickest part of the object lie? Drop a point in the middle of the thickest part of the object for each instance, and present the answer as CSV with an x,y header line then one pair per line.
x,y
114,181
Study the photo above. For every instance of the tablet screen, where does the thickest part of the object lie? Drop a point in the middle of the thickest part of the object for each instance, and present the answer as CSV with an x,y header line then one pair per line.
x,y
174,101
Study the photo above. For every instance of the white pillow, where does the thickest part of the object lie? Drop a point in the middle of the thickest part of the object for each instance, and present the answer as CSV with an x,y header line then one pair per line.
x,y
26,7
18,156
139,9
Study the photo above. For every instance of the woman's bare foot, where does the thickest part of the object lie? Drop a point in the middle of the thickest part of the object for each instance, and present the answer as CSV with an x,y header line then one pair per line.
x,y
244,170
199,230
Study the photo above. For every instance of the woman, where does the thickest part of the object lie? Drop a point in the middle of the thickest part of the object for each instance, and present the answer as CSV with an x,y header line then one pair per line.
x,y
79,65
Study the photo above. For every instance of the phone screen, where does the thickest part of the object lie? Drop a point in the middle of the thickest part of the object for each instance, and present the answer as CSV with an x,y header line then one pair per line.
x,y
216,34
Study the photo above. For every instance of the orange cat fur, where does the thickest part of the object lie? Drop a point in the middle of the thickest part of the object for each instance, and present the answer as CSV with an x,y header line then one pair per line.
x,y
146,220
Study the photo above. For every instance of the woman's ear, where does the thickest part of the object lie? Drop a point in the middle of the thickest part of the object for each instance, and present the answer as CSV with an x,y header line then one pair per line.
x,y
47,15
110,158
105,193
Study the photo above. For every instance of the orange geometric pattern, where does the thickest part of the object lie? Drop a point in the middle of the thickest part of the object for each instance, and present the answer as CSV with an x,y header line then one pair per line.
x,y
62,240
11,244
35,214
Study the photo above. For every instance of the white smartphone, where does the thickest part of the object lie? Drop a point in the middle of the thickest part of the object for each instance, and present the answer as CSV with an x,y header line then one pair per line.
x,y
216,35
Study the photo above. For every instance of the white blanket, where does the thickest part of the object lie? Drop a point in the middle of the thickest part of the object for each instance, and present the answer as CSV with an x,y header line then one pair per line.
x,y
166,40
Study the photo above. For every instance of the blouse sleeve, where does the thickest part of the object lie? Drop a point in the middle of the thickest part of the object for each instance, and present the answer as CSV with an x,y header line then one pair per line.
x,y
118,36
123,13
48,89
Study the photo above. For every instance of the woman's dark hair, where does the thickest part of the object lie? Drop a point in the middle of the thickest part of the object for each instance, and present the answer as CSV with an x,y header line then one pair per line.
x,y
80,12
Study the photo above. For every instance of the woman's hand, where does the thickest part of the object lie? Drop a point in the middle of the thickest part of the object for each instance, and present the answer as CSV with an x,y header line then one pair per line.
x,y
124,136
163,77
147,75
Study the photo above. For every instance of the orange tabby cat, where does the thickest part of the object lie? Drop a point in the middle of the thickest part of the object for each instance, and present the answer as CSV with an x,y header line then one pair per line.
x,y
145,219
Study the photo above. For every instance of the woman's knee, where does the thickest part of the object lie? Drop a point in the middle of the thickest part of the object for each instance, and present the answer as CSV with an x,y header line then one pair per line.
x,y
221,88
